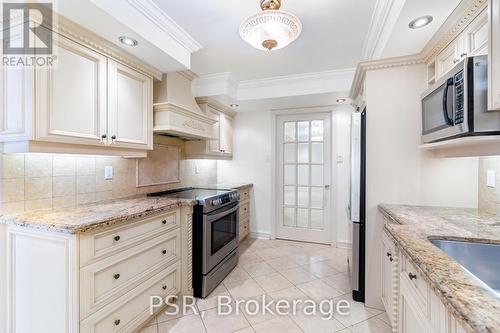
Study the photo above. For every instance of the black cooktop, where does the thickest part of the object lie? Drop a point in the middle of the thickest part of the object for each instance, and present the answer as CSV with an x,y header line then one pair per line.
x,y
190,193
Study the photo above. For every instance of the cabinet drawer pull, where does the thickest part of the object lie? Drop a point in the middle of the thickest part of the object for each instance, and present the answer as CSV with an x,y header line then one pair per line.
x,y
390,259
463,55
412,276
164,221
164,251
116,238
389,254
117,322
116,276
164,287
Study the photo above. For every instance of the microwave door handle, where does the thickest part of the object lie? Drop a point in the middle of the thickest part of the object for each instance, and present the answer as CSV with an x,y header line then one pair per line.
x,y
447,118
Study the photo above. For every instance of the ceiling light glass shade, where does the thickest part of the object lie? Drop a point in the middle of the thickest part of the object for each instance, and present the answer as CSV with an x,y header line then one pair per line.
x,y
271,29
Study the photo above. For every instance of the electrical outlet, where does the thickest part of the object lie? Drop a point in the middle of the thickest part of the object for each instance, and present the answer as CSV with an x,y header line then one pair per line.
x,y
491,178
108,172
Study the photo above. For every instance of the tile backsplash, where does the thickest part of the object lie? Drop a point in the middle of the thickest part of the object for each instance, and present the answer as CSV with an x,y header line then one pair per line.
x,y
489,197
39,181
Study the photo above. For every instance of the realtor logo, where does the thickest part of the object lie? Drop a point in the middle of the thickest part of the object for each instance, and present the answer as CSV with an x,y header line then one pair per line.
x,y
27,31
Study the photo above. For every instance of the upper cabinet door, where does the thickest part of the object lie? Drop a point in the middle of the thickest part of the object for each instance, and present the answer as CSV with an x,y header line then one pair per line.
x,y
226,134
130,107
70,97
476,36
449,57
494,56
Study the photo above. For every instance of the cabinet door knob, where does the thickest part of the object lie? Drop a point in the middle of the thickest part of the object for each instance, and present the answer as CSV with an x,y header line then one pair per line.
x,y
117,322
116,276
164,287
456,61
412,276
389,254
116,238
113,137
164,221
104,136
164,251
390,259
463,55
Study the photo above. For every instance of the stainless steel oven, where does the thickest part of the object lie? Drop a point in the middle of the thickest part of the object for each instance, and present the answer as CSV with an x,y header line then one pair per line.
x,y
456,105
220,235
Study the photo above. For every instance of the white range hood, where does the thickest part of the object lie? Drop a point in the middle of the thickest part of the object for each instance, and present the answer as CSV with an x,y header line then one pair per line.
x,y
176,112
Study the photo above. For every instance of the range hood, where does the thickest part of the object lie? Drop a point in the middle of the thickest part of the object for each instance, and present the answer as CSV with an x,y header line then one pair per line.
x,y
176,112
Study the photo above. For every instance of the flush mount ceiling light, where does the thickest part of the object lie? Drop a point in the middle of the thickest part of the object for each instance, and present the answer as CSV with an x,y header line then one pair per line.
x,y
341,100
129,41
271,29
234,105
420,22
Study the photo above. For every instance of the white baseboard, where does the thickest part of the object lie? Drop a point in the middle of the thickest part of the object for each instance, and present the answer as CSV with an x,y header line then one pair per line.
x,y
260,235
344,244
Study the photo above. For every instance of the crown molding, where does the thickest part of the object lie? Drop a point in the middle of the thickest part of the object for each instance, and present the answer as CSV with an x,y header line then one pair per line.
x,y
364,66
465,12
160,19
383,21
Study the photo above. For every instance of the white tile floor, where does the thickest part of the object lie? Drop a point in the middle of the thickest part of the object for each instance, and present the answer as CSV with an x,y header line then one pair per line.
x,y
279,269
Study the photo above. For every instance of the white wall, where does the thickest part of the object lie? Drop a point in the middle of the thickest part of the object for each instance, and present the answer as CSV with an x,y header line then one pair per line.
x,y
252,163
398,171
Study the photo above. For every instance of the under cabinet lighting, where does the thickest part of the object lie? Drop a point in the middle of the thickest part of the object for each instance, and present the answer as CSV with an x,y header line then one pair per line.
x,y
420,22
129,41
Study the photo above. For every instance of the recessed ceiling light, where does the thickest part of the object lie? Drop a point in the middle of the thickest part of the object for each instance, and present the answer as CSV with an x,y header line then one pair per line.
x,y
234,105
129,41
341,100
420,22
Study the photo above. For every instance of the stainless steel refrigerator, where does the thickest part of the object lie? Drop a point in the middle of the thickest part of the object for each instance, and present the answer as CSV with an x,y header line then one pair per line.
x,y
356,210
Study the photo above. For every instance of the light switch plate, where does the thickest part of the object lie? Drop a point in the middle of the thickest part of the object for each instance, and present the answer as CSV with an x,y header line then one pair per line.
x,y
108,172
491,178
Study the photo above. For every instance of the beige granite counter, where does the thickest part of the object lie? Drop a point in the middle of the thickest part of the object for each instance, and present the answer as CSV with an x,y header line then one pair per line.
x,y
476,306
221,186
91,217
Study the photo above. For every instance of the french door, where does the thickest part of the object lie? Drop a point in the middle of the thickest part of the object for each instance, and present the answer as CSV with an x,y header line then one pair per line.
x,y
303,177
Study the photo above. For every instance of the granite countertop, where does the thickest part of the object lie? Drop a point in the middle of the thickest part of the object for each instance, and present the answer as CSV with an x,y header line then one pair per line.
x,y
90,217
229,186
474,305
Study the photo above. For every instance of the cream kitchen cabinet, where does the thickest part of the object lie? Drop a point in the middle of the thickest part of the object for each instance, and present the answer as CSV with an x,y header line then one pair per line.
x,y
450,56
390,278
494,55
222,145
88,102
244,212
95,281
130,109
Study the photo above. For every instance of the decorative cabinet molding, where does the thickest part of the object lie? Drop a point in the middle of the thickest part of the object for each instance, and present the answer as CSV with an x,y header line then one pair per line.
x,y
494,56
73,106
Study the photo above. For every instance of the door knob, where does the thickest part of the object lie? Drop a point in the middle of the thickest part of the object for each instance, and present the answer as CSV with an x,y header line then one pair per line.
x,y
327,187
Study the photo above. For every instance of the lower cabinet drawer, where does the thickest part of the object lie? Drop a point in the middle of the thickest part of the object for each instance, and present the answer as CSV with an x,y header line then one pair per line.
x,y
97,245
244,228
133,309
108,279
416,282
244,209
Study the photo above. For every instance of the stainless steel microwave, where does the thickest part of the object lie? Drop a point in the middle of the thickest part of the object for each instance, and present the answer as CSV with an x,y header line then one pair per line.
x,y
457,104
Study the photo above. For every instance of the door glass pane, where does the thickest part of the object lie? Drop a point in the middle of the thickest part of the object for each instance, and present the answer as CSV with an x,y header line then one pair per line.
x,y
289,217
303,174
290,132
316,153
290,153
290,195
303,217
317,197
317,130
303,196
290,175
303,153
317,175
303,128
317,219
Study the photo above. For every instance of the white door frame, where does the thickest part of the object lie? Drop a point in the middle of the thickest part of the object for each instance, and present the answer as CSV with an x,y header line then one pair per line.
x,y
274,170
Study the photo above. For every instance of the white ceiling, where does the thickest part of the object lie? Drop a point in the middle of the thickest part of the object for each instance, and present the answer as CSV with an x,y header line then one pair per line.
x,y
406,41
332,37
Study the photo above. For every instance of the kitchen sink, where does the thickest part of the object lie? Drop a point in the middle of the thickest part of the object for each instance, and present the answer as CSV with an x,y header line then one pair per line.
x,y
479,259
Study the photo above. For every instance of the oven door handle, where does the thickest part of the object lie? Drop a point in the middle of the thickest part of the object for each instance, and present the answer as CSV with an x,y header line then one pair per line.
x,y
215,217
